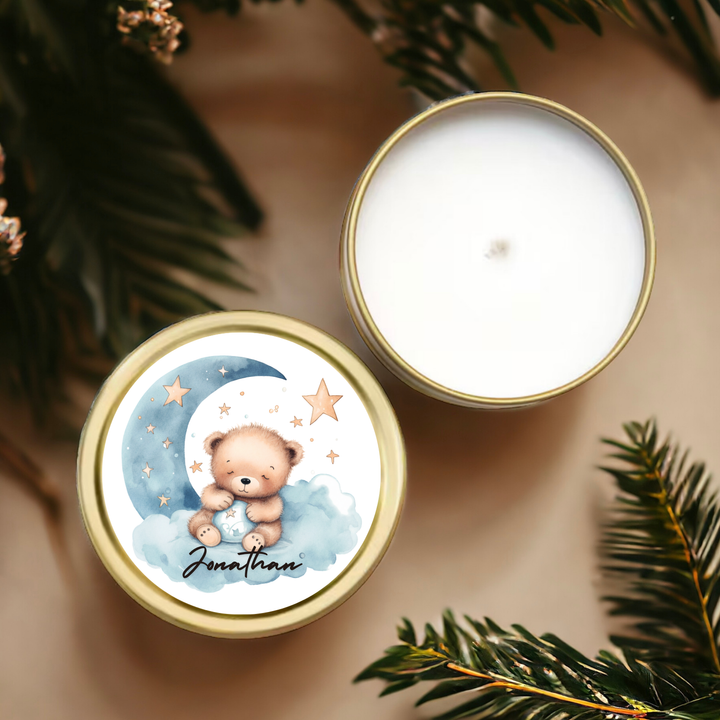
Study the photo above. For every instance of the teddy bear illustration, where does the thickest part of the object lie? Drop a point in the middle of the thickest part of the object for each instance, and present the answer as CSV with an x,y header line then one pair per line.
x,y
249,463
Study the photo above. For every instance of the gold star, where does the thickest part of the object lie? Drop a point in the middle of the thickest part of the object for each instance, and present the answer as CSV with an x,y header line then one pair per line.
x,y
167,442
222,370
224,409
151,428
332,457
295,421
195,466
322,403
230,513
147,469
163,500
175,392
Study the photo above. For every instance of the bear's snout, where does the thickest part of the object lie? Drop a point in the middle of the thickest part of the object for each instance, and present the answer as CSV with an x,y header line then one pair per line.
x,y
245,485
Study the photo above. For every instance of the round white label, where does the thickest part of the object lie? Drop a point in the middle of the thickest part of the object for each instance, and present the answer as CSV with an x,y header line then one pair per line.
x,y
241,473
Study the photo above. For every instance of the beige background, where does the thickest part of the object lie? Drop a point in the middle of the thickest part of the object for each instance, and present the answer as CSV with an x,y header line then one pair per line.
x,y
301,101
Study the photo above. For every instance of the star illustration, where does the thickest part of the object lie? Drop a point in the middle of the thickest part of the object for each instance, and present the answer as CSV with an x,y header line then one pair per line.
x,y
332,456
222,371
175,392
151,428
224,409
230,513
195,466
147,469
322,403
295,421
167,442
163,500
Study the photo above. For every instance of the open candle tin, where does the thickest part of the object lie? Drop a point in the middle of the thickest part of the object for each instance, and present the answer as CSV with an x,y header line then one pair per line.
x,y
398,312
310,501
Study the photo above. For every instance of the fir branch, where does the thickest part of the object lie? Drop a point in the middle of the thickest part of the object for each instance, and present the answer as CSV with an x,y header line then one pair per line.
x,y
426,40
119,185
514,674
663,541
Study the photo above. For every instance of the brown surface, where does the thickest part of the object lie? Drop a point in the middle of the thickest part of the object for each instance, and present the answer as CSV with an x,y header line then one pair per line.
x,y
301,101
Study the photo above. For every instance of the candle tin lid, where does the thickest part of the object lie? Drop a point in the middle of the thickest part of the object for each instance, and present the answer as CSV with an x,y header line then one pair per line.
x,y
241,474
386,249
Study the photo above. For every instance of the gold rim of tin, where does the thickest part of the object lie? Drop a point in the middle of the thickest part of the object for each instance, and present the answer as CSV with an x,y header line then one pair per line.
x,y
351,285
124,570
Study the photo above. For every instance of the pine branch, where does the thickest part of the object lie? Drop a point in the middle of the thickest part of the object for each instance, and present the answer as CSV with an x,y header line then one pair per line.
x,y
118,184
426,40
513,674
663,541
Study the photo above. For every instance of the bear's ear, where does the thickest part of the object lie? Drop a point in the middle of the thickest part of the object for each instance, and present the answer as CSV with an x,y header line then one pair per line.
x,y
212,441
295,452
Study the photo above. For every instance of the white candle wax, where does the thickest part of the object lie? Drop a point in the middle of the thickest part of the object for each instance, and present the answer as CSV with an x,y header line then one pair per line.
x,y
500,250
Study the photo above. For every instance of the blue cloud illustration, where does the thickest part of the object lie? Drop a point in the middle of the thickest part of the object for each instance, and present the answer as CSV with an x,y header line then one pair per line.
x,y
319,523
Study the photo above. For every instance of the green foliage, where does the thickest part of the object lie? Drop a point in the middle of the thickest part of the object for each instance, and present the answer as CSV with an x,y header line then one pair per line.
x,y
663,540
663,543
427,39
119,186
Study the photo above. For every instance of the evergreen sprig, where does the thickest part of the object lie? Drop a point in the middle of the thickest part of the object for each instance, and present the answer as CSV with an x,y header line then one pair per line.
x,y
123,192
663,540
426,39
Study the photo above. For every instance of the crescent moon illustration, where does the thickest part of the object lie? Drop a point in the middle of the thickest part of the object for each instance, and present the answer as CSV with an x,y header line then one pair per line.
x,y
154,468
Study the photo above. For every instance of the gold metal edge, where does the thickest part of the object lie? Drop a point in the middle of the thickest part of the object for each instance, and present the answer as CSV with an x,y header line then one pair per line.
x,y
351,285
129,576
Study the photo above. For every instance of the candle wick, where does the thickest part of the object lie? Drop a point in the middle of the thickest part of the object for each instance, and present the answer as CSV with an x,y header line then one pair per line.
x,y
498,248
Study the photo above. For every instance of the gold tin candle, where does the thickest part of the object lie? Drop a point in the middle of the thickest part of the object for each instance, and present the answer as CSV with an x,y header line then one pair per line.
x,y
497,251
241,474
